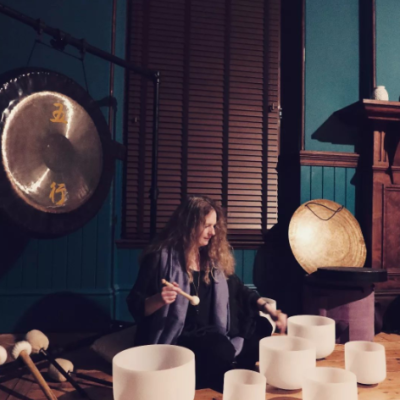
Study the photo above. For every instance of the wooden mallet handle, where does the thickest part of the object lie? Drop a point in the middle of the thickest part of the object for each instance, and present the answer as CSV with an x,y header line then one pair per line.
x,y
37,375
193,299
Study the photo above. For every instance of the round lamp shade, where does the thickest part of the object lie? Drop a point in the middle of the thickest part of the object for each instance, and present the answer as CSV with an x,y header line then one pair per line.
x,y
319,330
283,360
367,360
323,233
242,384
325,383
154,372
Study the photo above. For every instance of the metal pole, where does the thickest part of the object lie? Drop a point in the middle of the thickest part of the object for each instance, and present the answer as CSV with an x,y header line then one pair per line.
x,y
80,44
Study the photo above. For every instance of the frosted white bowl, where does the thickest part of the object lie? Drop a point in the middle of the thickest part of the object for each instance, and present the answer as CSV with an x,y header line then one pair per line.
x,y
243,384
367,360
154,372
283,360
272,303
320,330
325,383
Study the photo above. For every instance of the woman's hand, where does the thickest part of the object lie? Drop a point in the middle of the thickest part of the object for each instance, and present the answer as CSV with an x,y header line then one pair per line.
x,y
280,320
277,316
168,293
155,302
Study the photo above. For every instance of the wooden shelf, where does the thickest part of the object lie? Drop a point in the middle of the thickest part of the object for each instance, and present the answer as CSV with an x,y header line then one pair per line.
x,y
377,110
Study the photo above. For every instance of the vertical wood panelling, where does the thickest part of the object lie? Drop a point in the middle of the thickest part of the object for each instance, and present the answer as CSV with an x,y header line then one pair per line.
x,y
14,276
340,186
332,183
316,182
350,190
45,267
31,265
305,194
238,254
103,253
74,260
89,259
60,263
328,188
248,263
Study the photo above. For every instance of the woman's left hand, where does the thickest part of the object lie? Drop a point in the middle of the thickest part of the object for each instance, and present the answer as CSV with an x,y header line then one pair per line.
x,y
280,320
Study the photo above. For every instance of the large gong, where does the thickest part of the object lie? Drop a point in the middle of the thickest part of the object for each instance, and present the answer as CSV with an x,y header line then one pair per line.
x,y
56,157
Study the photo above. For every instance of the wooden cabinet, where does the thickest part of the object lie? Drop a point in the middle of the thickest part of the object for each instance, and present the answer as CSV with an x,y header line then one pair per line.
x,y
379,190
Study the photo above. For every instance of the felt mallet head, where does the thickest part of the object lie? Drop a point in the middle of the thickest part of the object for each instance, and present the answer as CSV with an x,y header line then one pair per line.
x,y
3,355
55,374
38,340
19,347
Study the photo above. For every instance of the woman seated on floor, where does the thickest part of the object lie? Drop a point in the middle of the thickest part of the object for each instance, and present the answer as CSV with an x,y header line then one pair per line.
x,y
193,253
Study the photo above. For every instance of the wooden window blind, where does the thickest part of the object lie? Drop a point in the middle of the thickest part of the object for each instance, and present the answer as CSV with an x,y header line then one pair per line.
x,y
219,112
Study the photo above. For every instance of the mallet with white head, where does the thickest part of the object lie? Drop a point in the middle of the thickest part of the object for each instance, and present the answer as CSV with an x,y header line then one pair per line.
x,y
68,367
23,349
194,300
3,355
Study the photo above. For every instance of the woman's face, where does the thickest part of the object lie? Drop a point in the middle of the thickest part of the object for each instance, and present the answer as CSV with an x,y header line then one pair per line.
x,y
207,231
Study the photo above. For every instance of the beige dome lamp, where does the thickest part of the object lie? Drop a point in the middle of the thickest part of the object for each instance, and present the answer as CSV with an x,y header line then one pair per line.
x,y
327,242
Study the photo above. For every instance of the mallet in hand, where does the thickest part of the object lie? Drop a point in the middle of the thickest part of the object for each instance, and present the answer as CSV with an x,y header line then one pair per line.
x,y
194,300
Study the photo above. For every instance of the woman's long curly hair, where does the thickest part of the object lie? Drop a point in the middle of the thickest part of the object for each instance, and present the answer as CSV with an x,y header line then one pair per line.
x,y
182,232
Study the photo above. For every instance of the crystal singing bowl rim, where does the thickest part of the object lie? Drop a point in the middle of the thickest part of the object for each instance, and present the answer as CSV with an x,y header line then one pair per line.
x,y
315,374
305,344
185,356
371,347
241,373
297,321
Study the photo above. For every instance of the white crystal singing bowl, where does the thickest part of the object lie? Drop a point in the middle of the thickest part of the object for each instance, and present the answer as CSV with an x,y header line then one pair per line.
x,y
154,372
320,330
283,360
367,360
272,303
241,384
325,383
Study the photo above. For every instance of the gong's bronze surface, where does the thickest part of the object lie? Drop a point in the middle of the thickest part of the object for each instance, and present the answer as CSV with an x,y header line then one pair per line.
x,y
322,233
52,152
56,156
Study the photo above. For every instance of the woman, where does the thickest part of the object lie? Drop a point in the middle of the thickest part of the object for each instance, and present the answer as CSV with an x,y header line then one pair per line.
x,y
193,253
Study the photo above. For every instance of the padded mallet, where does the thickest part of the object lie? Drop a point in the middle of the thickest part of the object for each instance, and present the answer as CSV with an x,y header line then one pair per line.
x,y
3,355
40,343
194,300
23,349
68,367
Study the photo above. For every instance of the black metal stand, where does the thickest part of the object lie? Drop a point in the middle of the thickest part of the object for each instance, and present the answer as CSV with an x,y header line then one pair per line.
x,y
61,40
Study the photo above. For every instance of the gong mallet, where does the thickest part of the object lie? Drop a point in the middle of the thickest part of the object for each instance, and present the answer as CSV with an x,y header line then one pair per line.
x,y
3,355
194,300
68,368
40,343
23,349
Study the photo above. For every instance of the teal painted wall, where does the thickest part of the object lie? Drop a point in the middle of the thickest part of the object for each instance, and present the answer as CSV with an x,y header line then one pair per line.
x,y
388,46
73,275
331,72
332,82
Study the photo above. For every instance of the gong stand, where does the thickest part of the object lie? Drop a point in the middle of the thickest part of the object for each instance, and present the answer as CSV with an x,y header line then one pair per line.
x,y
62,39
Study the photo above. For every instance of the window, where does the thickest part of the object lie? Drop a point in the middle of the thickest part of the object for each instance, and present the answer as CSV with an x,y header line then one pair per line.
x,y
219,118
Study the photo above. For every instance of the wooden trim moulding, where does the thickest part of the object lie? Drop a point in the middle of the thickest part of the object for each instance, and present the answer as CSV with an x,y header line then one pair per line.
x,y
328,159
